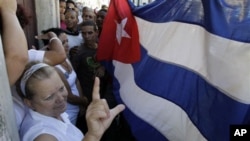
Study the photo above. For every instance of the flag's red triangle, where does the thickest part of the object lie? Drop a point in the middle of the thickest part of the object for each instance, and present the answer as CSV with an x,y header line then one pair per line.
x,y
119,39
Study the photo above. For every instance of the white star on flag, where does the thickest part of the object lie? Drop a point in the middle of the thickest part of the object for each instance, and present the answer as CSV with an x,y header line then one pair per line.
x,y
120,32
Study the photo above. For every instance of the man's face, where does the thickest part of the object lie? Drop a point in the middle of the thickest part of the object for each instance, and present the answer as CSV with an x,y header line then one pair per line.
x,y
89,34
89,16
71,19
100,17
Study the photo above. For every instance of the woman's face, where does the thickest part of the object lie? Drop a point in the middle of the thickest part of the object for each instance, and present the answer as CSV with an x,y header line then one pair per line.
x,y
63,37
71,19
62,10
62,7
50,96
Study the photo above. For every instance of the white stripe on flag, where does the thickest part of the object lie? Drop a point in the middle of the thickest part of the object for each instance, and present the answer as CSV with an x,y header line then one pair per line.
x,y
224,63
167,117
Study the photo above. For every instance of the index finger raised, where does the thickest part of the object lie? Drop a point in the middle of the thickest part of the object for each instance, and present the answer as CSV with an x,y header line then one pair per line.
x,y
96,89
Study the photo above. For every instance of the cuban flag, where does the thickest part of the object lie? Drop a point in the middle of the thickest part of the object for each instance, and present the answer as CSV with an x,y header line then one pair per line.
x,y
186,75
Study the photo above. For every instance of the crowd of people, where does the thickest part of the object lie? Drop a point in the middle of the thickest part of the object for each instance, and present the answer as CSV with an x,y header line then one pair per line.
x,y
60,91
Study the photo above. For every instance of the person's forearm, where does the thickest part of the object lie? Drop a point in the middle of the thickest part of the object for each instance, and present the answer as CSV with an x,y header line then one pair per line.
x,y
56,54
14,45
59,52
76,100
83,97
89,137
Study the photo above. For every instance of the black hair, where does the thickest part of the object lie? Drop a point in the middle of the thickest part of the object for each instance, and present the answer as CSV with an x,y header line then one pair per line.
x,y
57,31
104,10
40,74
70,1
89,23
71,9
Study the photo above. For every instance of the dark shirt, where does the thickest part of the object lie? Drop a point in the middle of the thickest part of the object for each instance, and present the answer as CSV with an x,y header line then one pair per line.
x,y
85,67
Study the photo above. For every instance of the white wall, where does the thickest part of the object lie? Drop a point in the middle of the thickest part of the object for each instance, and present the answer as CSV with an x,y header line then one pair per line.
x,y
8,127
94,3
47,14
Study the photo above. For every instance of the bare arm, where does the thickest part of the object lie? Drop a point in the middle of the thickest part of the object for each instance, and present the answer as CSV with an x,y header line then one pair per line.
x,y
72,99
56,53
79,88
14,41
84,99
45,137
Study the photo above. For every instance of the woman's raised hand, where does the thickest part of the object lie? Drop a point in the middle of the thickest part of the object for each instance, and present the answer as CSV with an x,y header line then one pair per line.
x,y
99,116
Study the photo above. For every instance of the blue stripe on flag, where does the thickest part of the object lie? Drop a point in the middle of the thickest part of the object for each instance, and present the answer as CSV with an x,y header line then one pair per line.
x,y
209,109
207,106
229,19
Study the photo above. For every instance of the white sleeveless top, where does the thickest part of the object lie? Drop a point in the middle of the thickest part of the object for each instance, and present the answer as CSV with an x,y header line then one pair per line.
x,y
36,55
19,107
72,110
35,124
75,40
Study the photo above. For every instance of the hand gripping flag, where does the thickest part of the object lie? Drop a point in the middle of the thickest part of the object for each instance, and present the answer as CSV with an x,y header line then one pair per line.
x,y
193,80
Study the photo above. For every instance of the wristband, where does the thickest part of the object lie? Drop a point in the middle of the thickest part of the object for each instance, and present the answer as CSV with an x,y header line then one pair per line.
x,y
54,38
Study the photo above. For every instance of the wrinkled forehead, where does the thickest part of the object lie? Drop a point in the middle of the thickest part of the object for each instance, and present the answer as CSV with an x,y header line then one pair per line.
x,y
87,28
71,12
89,13
46,85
